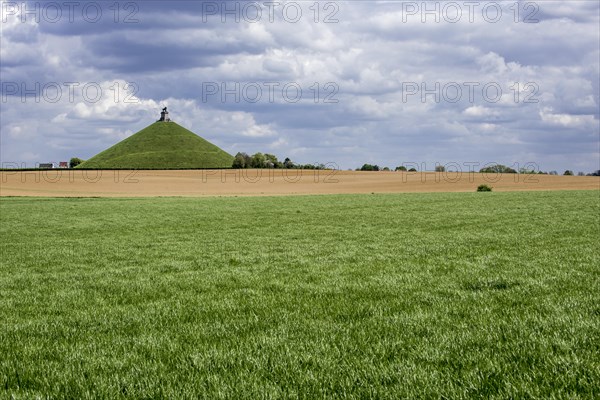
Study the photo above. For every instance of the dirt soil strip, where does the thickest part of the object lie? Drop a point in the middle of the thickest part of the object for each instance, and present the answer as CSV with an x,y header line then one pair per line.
x,y
198,183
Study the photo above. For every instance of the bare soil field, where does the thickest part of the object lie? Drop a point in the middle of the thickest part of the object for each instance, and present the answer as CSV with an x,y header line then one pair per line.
x,y
198,183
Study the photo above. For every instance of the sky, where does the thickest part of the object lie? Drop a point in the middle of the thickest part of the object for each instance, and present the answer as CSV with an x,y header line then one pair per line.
x,y
341,83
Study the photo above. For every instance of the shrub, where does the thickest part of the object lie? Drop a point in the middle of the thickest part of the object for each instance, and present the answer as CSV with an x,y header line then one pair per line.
x,y
484,188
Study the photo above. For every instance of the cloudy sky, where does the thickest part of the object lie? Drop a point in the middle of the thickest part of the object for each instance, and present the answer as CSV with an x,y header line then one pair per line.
x,y
344,82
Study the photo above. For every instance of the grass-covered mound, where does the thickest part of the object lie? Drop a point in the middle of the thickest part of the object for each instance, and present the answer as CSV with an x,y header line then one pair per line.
x,y
162,145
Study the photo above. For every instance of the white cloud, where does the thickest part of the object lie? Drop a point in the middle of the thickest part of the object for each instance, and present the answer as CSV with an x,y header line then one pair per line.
x,y
567,120
259,131
480,111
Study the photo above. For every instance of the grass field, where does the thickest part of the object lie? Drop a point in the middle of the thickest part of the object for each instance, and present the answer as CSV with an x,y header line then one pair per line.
x,y
445,295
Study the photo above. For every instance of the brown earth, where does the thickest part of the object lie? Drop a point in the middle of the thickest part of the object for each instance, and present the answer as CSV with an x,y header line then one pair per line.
x,y
197,183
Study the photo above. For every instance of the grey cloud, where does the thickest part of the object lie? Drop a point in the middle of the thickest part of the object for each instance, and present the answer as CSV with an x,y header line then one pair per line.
x,y
173,52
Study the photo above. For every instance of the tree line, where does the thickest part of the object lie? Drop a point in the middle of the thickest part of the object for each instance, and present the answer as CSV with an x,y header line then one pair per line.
x,y
370,167
493,169
266,160
260,160
503,169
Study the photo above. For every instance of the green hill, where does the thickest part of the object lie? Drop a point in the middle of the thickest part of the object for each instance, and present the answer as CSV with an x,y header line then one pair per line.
x,y
162,145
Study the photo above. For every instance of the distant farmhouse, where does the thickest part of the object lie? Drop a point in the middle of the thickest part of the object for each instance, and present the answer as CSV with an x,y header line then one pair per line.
x,y
51,165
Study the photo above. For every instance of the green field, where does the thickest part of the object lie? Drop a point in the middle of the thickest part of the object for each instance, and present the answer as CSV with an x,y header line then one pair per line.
x,y
492,295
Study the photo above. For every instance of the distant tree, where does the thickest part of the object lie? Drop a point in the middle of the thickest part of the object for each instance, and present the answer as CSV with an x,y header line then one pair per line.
x,y
497,169
247,160
369,167
311,166
287,163
258,160
524,170
401,168
272,161
386,169
440,168
595,173
553,173
412,170
75,161
568,172
581,173
239,161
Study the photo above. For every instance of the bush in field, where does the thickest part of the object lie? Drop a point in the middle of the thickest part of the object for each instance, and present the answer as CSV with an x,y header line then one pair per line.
x,y
484,188
401,168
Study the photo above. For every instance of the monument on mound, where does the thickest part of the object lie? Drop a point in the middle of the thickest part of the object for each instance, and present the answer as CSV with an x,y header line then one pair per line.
x,y
164,115
161,146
